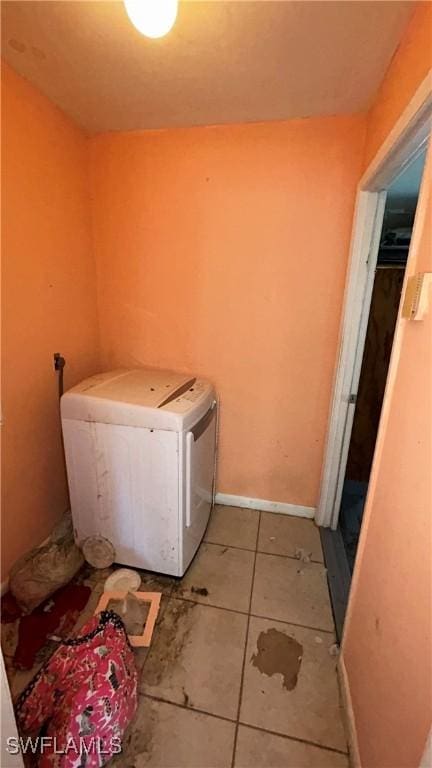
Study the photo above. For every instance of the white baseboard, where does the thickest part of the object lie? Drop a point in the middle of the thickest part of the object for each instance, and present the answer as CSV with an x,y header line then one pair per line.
x,y
281,507
348,715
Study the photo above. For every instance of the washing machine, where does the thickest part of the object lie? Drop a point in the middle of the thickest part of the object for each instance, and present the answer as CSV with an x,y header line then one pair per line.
x,y
140,455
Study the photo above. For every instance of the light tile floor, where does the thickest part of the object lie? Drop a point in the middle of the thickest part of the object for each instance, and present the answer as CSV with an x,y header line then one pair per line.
x,y
239,674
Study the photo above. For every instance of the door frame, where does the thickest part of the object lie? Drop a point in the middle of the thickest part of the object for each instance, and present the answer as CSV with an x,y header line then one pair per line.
x,y
404,143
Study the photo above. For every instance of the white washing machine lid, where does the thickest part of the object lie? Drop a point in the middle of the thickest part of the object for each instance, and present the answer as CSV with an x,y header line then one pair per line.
x,y
142,397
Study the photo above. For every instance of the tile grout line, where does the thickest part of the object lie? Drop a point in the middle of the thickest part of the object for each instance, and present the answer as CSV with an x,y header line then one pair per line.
x,y
230,546
263,552
295,738
171,595
232,721
253,615
187,707
291,557
245,647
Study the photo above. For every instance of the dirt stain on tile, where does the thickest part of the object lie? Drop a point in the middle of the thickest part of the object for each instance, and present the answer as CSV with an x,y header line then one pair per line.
x,y
186,698
278,654
138,740
200,591
172,635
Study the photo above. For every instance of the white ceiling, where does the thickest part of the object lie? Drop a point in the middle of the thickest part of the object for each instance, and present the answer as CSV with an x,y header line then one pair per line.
x,y
224,61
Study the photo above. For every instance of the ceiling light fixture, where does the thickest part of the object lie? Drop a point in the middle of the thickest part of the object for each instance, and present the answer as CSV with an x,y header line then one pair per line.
x,y
153,18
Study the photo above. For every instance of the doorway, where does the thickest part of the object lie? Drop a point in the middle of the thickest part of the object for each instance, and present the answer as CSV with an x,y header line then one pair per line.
x,y
403,150
397,226
393,225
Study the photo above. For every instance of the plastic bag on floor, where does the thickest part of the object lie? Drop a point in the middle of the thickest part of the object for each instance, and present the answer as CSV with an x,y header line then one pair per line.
x,y
43,570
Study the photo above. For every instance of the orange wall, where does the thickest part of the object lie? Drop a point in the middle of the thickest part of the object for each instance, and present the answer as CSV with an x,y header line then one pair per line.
x,y
48,304
410,65
222,251
387,641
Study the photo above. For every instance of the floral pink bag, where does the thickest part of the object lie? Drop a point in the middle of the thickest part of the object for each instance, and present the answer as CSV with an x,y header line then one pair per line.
x,y
83,699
